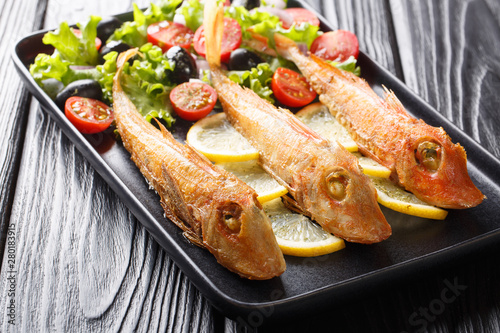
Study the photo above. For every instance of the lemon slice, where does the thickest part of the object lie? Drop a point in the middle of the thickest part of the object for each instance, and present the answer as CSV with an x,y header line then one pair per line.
x,y
396,198
320,120
255,176
372,168
297,235
317,117
215,138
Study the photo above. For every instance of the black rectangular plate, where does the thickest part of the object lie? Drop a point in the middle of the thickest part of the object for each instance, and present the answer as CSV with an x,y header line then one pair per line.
x,y
308,283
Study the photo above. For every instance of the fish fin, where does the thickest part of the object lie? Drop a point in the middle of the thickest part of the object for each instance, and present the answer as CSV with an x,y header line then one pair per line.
x,y
277,178
294,206
288,117
194,238
176,209
166,134
394,103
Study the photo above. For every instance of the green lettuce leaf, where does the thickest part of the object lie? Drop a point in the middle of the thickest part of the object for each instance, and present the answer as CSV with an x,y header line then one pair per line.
x,y
108,71
46,67
49,67
349,65
258,79
147,82
248,19
134,33
301,33
193,13
77,51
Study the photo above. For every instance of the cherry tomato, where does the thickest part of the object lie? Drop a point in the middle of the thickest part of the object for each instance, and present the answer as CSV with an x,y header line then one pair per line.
x,y
88,115
231,39
193,100
336,45
78,34
300,15
291,89
166,34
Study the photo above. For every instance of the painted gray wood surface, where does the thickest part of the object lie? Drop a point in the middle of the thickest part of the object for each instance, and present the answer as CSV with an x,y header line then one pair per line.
x,y
83,263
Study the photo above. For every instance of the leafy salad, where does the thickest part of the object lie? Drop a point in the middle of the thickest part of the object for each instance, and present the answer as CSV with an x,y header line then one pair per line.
x,y
169,35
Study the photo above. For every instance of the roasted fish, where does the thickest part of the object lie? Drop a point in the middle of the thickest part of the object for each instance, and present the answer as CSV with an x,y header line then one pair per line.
x,y
214,208
422,158
324,179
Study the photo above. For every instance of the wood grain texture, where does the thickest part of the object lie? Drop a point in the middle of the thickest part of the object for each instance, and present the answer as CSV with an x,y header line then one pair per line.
x,y
449,51
18,19
83,263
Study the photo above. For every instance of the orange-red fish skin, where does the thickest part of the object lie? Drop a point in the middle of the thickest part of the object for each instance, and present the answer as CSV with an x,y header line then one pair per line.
x,y
214,208
323,178
385,131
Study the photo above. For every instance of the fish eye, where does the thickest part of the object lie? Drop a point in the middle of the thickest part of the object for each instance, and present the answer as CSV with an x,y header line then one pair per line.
x,y
428,154
230,217
336,183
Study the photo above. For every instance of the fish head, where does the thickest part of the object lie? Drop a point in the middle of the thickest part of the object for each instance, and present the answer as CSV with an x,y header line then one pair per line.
x,y
343,201
239,234
435,169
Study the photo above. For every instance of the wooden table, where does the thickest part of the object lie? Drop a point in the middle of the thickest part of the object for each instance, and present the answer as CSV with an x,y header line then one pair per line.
x,y
83,263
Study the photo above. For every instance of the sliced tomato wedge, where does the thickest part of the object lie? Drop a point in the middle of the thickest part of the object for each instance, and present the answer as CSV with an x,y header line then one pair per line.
x,y
291,89
193,100
336,45
78,34
88,115
300,15
231,39
166,34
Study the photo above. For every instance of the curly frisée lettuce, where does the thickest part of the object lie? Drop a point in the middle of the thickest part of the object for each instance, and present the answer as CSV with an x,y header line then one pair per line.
x,y
146,82
258,79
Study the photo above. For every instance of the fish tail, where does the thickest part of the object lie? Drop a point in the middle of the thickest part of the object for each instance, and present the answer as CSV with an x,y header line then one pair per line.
x,y
213,22
284,45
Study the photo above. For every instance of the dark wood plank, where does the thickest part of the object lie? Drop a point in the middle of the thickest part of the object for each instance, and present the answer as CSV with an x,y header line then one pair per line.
x,y
83,263
18,19
449,49
441,46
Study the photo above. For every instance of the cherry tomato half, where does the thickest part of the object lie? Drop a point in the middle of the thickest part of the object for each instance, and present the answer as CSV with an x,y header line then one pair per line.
x,y
193,100
88,115
300,15
336,45
166,34
291,89
231,39
78,34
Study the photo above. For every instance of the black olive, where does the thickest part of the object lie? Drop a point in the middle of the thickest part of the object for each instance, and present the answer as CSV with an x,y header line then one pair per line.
x,y
185,66
248,4
84,88
113,45
107,26
243,60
